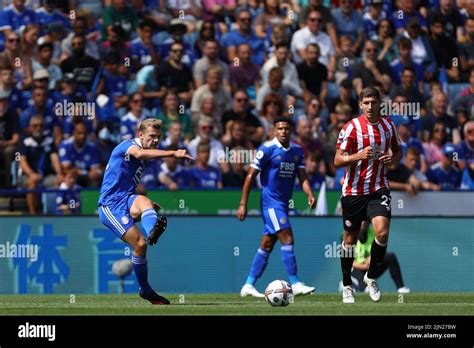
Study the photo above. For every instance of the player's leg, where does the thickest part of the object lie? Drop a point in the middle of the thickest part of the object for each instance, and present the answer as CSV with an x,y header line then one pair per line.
x,y
137,241
354,212
379,211
118,220
141,208
289,260
390,261
258,266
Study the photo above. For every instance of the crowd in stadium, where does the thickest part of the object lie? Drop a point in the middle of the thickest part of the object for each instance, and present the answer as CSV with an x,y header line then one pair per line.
x,y
77,77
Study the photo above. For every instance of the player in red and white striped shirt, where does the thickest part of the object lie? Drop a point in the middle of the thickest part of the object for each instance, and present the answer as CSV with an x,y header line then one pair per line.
x,y
367,146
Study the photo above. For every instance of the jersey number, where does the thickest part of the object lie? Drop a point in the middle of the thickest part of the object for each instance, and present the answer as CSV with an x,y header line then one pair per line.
x,y
386,200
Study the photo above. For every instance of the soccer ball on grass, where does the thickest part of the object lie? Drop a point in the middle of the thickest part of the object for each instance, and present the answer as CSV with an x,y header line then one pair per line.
x,y
279,293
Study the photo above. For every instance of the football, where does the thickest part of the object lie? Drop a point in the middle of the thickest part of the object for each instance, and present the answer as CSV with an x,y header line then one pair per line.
x,y
279,293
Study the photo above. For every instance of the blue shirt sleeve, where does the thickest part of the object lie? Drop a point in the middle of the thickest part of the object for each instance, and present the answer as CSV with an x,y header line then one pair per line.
x,y
261,158
5,20
64,155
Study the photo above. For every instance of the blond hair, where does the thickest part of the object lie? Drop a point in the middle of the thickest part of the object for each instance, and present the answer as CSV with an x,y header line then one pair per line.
x,y
150,122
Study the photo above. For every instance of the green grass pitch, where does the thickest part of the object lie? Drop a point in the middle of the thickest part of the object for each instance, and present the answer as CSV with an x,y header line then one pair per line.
x,y
233,304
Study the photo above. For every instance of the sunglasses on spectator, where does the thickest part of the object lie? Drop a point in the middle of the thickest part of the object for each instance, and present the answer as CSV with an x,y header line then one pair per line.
x,y
315,19
177,50
37,125
14,40
370,49
241,100
245,19
207,127
137,100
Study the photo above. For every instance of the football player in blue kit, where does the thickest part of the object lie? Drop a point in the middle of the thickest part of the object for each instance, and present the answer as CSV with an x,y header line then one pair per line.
x,y
278,161
120,207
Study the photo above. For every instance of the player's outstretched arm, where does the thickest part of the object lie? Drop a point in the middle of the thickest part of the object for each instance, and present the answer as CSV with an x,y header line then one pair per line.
x,y
306,187
242,211
148,154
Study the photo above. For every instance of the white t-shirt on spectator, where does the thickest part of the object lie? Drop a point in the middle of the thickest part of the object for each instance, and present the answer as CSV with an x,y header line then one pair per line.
x,y
289,71
303,37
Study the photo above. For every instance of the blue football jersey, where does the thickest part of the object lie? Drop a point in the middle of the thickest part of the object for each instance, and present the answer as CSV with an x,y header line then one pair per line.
x,y
448,179
205,179
122,174
84,159
278,170
11,19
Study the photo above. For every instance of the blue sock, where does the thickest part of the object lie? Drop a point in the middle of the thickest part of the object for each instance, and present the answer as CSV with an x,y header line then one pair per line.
x,y
149,218
140,267
259,263
289,260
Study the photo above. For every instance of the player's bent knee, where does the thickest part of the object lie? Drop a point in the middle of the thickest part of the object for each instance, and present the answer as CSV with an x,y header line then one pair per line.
x,y
140,246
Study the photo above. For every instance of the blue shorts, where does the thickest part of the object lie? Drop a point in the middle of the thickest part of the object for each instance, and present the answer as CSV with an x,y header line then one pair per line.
x,y
275,220
117,217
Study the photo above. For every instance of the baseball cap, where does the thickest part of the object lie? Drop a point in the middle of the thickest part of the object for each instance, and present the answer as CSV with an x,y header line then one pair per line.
x,y
448,149
374,2
40,74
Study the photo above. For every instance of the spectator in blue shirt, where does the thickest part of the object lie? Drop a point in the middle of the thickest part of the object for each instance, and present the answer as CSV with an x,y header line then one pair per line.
x,y
15,16
404,60
144,51
39,162
444,173
407,9
76,152
245,34
129,122
112,83
373,17
68,199
465,149
173,175
349,22
205,176
48,14
52,126
7,83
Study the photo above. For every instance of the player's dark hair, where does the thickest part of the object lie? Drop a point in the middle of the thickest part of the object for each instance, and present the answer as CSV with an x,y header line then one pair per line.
x,y
283,119
369,92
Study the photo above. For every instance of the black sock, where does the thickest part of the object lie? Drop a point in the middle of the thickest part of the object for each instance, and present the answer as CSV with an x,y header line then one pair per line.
x,y
377,253
347,258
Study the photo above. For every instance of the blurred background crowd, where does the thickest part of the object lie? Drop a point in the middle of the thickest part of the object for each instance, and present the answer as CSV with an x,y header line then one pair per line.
x,y
77,77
